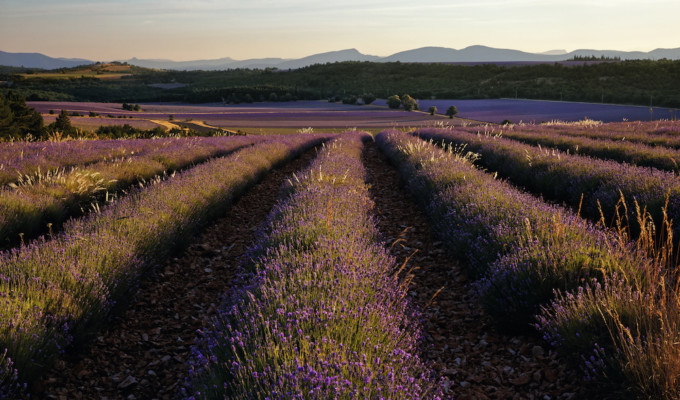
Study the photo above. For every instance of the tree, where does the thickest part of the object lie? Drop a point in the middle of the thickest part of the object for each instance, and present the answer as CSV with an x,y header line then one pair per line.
x,y
393,101
62,124
432,110
451,111
6,118
409,103
368,98
349,100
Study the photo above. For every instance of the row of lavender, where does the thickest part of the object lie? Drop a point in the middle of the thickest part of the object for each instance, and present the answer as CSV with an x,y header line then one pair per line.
x,y
319,312
27,209
660,157
40,158
55,291
657,133
589,292
598,188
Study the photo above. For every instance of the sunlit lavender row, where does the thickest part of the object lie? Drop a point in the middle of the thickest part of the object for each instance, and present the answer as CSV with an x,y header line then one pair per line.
x,y
524,252
593,186
28,158
320,313
508,238
660,157
27,208
53,291
656,133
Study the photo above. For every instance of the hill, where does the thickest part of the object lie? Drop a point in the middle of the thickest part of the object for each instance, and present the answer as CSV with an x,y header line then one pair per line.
x,y
471,54
37,60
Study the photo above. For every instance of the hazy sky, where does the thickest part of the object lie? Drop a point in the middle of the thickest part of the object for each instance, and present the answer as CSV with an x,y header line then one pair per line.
x,y
209,29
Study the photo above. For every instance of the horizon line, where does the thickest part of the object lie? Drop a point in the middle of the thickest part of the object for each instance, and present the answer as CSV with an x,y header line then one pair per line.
x,y
333,51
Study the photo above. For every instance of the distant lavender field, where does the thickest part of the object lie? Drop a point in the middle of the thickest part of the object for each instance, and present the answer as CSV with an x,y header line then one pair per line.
x,y
92,124
322,114
537,111
317,114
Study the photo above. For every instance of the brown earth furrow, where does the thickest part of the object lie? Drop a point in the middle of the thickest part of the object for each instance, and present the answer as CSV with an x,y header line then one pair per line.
x,y
143,352
460,340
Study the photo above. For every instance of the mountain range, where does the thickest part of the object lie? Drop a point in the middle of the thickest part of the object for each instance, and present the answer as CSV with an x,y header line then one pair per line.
x,y
472,54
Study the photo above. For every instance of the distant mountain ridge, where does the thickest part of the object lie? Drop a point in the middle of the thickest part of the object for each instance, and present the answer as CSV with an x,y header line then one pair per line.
x,y
469,54
37,60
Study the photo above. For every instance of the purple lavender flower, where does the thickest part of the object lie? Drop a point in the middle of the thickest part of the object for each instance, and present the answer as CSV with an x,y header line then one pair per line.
x,y
319,313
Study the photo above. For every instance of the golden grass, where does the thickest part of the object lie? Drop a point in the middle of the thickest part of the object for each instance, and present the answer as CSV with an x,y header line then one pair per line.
x,y
100,71
75,75
167,125
646,330
293,131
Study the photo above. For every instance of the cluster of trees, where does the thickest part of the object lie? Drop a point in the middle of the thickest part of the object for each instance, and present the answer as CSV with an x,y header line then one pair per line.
x,y
450,112
410,104
131,107
406,101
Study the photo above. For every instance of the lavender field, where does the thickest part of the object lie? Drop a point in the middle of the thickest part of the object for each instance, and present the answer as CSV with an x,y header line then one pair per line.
x,y
325,115
272,266
299,114
538,111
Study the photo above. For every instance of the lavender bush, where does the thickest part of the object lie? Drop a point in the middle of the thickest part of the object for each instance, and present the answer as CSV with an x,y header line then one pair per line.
x,y
320,312
53,291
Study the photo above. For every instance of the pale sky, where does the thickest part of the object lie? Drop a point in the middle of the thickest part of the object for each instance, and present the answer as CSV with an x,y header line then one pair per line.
x,y
210,29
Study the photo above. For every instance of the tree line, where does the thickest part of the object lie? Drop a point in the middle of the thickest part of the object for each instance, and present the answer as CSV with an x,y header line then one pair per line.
x,y
640,82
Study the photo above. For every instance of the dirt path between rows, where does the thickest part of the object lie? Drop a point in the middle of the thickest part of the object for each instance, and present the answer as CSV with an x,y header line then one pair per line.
x,y
144,352
461,341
